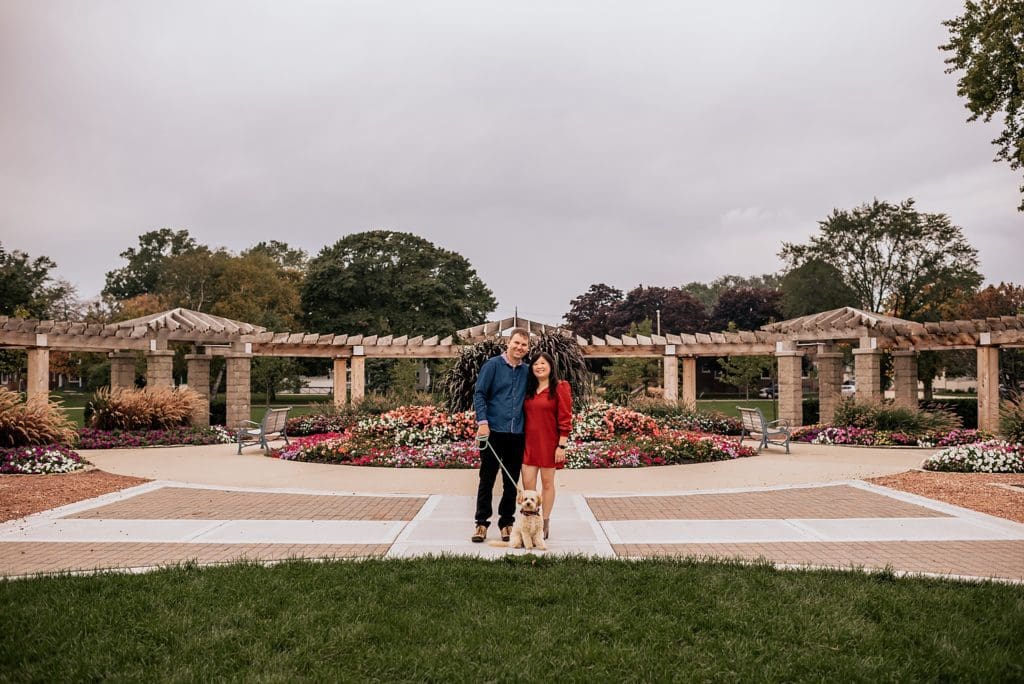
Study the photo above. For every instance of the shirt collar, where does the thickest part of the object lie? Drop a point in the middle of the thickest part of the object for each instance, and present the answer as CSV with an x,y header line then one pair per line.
x,y
504,357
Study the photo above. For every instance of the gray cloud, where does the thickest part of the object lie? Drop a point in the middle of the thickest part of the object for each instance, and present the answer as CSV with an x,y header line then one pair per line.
x,y
554,144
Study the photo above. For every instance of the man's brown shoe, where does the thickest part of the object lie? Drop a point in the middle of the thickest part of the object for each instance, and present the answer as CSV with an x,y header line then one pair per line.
x,y
506,533
479,534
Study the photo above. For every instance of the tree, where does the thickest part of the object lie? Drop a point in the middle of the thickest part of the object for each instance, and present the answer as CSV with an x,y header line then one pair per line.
x,y
624,377
987,44
144,269
383,282
742,371
288,258
255,288
813,287
1006,299
271,373
746,308
26,287
708,293
589,313
680,312
895,259
195,279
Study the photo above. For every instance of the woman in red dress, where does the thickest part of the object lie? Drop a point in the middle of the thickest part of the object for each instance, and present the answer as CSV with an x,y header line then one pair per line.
x,y
548,409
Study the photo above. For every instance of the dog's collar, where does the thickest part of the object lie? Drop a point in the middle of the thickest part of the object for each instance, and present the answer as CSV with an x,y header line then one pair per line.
x,y
530,512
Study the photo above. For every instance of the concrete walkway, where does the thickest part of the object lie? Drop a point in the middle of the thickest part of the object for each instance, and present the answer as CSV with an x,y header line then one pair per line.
x,y
805,509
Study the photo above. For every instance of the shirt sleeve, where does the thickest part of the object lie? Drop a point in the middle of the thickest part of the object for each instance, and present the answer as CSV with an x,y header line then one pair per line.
x,y
483,388
564,392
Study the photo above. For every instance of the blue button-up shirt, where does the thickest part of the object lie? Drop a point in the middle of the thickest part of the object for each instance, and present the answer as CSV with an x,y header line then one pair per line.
x,y
499,395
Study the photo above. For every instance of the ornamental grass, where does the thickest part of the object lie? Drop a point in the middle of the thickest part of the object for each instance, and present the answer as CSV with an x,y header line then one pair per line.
x,y
140,409
1011,419
36,422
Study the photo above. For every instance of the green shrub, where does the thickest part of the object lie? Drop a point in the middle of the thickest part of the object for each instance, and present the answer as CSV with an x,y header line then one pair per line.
x,y
141,409
1011,419
32,423
888,417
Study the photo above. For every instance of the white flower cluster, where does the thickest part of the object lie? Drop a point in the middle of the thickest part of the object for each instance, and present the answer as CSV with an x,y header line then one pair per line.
x,y
48,461
994,456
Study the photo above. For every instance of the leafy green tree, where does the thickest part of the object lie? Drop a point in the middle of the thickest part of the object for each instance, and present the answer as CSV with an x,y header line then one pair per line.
x,y
744,371
383,282
625,377
27,289
894,258
987,43
271,374
813,287
288,258
145,264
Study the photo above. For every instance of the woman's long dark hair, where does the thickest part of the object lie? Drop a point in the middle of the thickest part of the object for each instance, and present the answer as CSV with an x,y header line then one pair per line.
x,y
531,380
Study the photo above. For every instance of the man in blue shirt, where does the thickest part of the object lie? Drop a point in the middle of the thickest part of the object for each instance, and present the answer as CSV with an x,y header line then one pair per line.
x,y
498,401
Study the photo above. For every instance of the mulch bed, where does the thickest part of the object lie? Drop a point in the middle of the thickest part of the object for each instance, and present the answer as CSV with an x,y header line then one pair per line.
x,y
976,491
22,495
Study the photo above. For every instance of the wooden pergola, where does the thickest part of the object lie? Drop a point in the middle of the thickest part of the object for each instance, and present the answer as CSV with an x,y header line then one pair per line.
x,y
818,336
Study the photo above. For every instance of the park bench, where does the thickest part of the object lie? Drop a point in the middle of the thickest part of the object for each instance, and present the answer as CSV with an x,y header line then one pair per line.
x,y
274,424
757,427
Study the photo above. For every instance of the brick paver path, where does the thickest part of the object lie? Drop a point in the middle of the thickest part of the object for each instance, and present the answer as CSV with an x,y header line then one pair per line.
x,y
185,503
22,558
1003,559
777,504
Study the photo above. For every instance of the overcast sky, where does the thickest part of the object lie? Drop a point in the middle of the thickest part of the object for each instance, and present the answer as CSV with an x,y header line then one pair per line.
x,y
554,144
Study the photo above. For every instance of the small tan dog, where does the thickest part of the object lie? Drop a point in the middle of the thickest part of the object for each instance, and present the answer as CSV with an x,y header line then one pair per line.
x,y
528,530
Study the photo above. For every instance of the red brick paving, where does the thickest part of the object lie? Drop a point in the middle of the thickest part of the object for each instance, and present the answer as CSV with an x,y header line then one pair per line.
x,y
22,558
839,501
1003,559
186,503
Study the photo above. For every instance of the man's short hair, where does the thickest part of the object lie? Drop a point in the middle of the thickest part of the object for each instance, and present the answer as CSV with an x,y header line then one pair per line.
x,y
519,331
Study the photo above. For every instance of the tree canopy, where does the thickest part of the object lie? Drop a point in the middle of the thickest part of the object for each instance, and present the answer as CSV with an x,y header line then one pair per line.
x,y
813,287
746,308
680,311
384,282
26,286
590,312
896,259
142,273
987,43
708,293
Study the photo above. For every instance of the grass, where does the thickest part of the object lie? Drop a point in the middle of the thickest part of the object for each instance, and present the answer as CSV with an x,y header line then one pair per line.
x,y
519,619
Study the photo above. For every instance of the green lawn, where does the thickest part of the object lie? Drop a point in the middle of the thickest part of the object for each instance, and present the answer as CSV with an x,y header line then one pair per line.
x,y
520,619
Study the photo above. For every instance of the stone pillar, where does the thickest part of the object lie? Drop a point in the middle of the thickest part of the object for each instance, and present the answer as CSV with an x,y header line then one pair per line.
x,y
199,380
671,375
38,373
791,387
830,384
122,370
340,382
160,368
239,391
988,388
690,381
904,366
358,378
867,368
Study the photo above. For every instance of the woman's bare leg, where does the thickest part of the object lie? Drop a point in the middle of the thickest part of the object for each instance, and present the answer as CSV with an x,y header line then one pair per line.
x,y
547,479
530,477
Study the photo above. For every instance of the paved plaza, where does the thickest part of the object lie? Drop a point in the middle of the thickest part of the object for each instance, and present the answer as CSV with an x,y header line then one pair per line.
x,y
845,523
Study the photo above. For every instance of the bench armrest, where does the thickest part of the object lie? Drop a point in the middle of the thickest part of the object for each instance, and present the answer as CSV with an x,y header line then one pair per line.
x,y
781,422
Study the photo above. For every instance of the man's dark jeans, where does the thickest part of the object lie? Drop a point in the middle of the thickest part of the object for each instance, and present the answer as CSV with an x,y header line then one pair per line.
x,y
509,447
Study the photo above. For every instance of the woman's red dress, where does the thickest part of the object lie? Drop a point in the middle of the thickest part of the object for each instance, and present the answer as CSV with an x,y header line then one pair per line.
x,y
547,419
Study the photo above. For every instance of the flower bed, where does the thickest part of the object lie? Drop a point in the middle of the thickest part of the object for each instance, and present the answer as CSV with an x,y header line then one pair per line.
x,y
317,424
91,438
830,434
36,460
993,456
603,421
355,448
